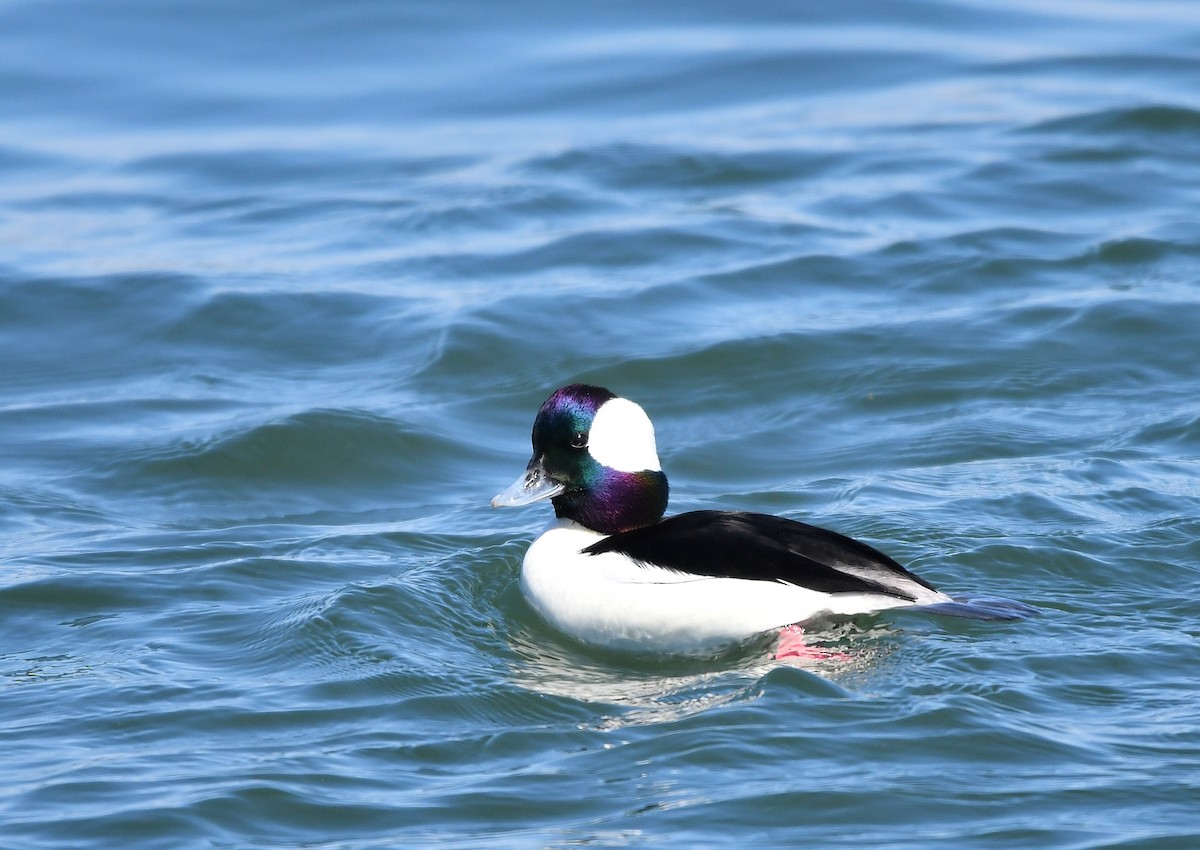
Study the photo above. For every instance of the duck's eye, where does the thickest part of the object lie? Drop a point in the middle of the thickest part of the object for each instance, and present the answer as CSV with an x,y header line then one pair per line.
x,y
579,440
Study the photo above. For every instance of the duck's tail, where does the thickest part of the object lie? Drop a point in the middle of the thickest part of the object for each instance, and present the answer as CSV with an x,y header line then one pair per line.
x,y
982,608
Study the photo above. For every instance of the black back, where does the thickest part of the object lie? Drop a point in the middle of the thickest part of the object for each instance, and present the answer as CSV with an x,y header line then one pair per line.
x,y
737,544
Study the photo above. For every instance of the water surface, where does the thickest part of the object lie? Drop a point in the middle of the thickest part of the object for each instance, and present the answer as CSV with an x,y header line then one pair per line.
x,y
283,285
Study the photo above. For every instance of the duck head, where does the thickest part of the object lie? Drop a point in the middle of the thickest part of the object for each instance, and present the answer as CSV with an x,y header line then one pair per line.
x,y
595,459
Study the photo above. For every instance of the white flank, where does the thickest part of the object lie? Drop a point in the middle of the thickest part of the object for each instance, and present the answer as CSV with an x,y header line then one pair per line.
x,y
622,437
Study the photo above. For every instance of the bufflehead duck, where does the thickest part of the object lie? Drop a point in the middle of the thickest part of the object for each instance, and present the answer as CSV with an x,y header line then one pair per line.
x,y
611,572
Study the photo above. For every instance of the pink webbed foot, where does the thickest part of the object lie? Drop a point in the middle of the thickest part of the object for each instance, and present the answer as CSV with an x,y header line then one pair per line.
x,y
792,645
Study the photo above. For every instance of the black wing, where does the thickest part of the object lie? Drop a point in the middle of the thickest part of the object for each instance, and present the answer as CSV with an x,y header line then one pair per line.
x,y
736,544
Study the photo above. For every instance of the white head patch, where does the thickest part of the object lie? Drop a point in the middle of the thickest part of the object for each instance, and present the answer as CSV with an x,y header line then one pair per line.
x,y
622,437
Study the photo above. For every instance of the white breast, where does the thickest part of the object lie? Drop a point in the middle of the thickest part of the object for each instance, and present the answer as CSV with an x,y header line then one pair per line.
x,y
611,601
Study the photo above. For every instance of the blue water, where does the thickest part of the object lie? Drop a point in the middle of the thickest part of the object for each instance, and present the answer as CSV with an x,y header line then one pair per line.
x,y
282,286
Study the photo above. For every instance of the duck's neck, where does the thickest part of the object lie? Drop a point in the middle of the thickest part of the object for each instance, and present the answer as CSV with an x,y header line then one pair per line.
x,y
619,501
